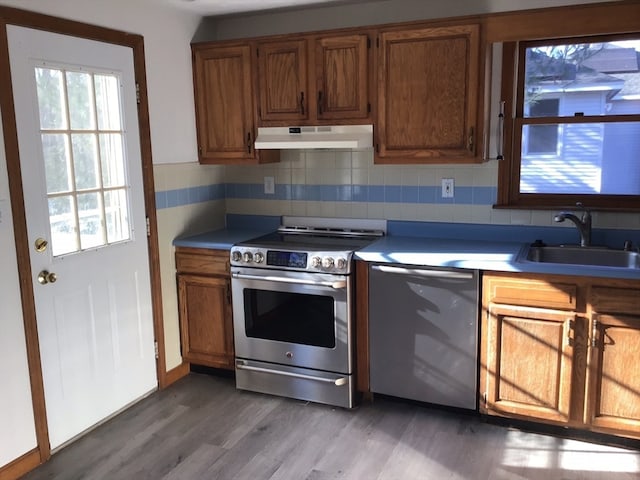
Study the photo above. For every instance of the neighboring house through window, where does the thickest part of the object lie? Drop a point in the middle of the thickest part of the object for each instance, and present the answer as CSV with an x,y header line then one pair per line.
x,y
576,131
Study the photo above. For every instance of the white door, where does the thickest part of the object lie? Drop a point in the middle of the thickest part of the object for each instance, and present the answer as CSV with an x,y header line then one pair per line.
x,y
76,115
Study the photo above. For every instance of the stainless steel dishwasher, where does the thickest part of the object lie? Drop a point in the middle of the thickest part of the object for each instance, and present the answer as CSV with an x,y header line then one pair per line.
x,y
423,333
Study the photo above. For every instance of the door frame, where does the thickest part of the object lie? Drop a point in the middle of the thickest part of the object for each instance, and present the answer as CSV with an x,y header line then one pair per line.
x,y
24,18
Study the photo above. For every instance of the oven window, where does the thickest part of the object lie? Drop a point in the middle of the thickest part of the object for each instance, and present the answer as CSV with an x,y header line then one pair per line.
x,y
290,317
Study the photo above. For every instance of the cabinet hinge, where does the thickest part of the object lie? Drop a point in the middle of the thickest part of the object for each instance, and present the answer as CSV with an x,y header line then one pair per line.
x,y
594,332
137,93
156,350
148,222
368,42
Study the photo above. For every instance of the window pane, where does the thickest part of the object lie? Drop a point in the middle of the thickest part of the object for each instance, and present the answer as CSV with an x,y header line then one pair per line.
x,y
592,158
90,217
590,78
63,225
81,110
107,102
51,99
112,160
55,152
117,215
85,161
541,139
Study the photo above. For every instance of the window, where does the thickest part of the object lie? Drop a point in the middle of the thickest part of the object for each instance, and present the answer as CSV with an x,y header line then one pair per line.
x,y
575,129
82,145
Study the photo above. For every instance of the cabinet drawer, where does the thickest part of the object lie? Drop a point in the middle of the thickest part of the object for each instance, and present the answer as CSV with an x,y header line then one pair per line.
x,y
202,261
615,300
534,293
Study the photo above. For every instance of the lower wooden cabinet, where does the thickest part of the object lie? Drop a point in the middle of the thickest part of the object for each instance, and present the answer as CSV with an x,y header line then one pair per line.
x,y
614,388
204,303
530,362
573,363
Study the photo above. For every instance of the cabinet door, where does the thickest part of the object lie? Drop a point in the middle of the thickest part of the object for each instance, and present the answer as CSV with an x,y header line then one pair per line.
x,y
205,320
342,77
528,362
283,80
614,387
224,103
428,95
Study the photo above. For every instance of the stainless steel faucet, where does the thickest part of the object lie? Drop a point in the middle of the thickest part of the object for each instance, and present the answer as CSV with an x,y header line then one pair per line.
x,y
582,224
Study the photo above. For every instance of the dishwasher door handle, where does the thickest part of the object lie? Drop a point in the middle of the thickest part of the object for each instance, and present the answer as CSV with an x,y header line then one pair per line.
x,y
424,272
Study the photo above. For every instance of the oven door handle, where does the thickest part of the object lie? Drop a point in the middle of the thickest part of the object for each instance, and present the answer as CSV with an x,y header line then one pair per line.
x,y
337,382
338,284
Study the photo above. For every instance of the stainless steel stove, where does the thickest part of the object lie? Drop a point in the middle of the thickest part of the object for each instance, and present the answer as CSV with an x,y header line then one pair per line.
x,y
292,308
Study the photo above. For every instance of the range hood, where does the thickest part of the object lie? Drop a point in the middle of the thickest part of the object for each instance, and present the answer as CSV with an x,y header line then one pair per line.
x,y
339,136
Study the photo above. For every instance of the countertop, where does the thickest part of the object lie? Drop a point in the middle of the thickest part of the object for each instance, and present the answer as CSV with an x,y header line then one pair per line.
x,y
427,252
222,239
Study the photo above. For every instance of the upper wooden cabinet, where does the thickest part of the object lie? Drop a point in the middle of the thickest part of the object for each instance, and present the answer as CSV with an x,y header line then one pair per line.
x,y
342,77
225,110
428,93
311,80
283,80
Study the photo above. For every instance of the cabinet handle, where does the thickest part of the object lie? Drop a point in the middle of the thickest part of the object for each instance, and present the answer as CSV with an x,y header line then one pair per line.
x,y
248,142
320,102
470,140
500,142
568,338
302,103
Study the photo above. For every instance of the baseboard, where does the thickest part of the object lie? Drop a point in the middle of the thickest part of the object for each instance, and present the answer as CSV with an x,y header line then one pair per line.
x,y
21,465
174,375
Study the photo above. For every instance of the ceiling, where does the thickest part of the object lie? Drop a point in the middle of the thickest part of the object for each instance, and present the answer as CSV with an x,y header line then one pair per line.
x,y
231,7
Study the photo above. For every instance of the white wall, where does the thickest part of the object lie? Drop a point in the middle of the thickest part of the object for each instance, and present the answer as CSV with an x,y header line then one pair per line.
x,y
167,36
17,427
371,13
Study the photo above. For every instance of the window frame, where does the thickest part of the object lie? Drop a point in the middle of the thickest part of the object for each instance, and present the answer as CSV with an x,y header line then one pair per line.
x,y
512,94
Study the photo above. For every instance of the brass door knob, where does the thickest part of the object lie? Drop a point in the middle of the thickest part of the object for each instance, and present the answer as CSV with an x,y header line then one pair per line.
x,y
45,277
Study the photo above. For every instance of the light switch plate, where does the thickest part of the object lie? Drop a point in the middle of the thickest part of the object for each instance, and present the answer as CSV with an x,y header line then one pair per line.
x,y
447,187
269,185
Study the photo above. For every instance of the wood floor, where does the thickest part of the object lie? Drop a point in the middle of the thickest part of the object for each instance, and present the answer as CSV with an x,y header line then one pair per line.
x,y
203,428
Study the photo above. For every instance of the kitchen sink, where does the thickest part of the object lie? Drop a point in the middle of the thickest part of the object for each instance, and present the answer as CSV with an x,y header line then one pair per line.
x,y
588,256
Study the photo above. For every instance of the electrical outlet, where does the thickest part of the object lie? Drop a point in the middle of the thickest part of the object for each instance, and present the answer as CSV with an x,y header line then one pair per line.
x,y
447,188
269,185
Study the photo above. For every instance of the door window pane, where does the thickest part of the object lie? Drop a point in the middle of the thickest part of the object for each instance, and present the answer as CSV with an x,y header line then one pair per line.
x,y
107,102
112,158
57,165
81,108
117,215
51,99
85,160
64,238
90,219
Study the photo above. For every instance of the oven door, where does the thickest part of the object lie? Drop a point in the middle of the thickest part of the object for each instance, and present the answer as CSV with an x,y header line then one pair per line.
x,y
296,319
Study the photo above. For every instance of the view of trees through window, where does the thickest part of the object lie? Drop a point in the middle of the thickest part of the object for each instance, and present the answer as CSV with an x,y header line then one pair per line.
x,y
82,146
577,118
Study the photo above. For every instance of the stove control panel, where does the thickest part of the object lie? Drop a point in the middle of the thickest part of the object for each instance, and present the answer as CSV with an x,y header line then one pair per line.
x,y
326,262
